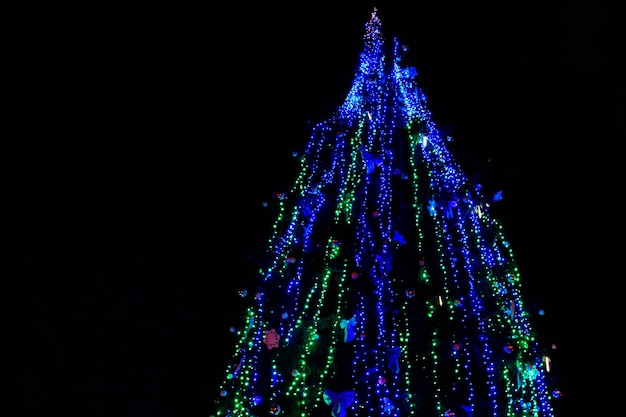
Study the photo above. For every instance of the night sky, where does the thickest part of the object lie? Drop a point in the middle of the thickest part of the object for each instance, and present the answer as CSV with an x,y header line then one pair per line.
x,y
143,143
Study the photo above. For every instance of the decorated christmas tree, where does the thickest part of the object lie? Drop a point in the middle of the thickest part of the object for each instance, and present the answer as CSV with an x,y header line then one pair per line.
x,y
387,287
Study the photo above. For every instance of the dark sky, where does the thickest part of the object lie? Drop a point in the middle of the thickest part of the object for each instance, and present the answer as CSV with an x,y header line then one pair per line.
x,y
143,143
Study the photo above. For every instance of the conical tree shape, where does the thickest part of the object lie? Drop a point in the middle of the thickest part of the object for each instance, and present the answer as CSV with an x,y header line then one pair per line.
x,y
389,289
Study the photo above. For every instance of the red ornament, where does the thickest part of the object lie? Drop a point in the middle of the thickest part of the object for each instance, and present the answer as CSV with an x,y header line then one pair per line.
x,y
271,338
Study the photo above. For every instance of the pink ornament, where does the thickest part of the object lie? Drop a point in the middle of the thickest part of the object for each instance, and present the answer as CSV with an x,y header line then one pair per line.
x,y
271,339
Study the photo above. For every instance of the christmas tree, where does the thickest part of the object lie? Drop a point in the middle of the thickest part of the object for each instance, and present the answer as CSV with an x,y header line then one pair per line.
x,y
387,287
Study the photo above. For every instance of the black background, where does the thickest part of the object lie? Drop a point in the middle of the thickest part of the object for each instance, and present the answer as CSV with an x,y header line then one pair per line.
x,y
140,145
